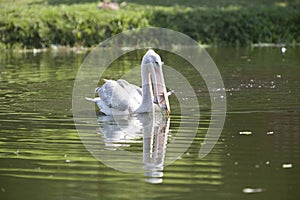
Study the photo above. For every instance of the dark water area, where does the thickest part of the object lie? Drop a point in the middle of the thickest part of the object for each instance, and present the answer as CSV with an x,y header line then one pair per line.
x,y
256,156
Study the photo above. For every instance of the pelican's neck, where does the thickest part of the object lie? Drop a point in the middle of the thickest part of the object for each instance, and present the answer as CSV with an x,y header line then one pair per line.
x,y
147,96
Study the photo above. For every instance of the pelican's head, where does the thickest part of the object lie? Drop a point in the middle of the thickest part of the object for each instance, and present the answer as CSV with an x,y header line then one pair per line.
x,y
153,61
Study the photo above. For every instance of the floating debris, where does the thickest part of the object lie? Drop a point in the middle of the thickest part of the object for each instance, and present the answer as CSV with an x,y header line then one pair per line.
x,y
68,161
283,50
252,190
278,76
17,152
245,132
267,162
270,132
287,165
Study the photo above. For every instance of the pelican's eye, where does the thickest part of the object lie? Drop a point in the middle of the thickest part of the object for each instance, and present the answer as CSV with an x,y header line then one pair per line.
x,y
156,62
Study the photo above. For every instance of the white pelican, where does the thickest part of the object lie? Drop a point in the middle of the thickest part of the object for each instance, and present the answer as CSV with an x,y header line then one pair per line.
x,y
122,98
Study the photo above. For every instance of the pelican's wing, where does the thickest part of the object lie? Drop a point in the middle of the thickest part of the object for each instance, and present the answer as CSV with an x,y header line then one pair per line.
x,y
129,87
113,95
134,94
118,97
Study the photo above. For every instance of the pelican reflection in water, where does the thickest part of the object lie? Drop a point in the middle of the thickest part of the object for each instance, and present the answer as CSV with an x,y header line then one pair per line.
x,y
122,98
119,132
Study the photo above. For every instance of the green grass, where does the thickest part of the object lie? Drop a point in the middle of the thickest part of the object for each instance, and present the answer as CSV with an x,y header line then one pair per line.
x,y
41,23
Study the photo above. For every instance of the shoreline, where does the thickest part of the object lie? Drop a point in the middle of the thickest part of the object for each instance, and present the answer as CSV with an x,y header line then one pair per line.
x,y
83,50
83,25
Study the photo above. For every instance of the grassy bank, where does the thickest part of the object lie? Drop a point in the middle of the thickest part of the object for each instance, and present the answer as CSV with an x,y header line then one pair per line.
x,y
41,23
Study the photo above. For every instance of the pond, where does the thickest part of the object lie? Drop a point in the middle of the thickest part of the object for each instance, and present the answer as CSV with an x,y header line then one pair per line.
x,y
256,155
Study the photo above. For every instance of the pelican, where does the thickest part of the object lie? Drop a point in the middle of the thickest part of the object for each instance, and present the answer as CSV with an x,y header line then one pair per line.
x,y
122,98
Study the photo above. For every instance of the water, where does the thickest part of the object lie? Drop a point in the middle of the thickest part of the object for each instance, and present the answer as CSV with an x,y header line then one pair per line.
x,y
256,156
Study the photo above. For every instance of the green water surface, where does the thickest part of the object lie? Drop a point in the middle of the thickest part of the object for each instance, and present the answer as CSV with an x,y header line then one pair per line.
x,y
256,156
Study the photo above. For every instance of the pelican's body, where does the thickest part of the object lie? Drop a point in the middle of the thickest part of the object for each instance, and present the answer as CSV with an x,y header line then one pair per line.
x,y
118,97
122,98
